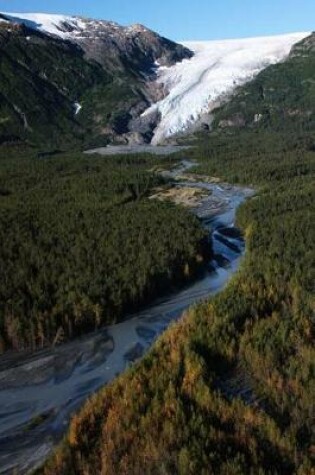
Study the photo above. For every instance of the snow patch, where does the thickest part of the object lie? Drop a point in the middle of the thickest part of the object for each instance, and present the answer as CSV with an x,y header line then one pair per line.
x,y
77,108
195,86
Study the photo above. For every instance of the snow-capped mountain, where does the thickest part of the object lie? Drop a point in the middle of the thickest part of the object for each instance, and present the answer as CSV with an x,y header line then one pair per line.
x,y
154,88
107,42
59,25
69,27
196,86
113,68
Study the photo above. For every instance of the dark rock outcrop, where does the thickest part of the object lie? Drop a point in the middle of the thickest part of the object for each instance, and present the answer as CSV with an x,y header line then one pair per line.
x,y
136,47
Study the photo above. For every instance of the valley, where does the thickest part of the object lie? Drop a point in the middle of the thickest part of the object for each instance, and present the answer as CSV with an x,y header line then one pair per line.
x,y
39,392
236,371
136,333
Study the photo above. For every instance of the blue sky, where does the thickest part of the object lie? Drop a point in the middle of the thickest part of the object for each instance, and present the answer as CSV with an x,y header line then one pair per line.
x,y
188,19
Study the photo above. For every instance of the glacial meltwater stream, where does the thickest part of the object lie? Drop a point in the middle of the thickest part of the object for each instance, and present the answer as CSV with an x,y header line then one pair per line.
x,y
39,392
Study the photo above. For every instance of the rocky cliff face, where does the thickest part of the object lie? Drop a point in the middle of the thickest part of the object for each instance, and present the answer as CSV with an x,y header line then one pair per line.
x,y
107,42
304,47
136,47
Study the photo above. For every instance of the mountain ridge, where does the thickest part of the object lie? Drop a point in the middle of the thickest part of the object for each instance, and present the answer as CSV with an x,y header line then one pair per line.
x,y
121,91
148,89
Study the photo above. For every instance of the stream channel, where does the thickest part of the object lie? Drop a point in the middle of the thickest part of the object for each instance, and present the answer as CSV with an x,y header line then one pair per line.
x,y
40,391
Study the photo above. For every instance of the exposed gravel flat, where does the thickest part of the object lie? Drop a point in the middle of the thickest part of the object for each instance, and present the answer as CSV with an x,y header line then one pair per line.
x,y
132,149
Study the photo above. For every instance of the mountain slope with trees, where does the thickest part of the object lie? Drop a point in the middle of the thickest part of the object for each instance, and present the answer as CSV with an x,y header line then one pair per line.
x,y
281,97
39,86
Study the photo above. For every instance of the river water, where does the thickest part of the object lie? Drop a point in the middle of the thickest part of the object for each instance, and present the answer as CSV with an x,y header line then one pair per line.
x,y
39,392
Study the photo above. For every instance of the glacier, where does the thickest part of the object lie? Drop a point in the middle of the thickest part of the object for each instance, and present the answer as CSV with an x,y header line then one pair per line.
x,y
198,85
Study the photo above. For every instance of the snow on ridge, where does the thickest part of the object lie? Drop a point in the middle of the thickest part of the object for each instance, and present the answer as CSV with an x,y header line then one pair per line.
x,y
196,85
59,25
193,87
69,27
